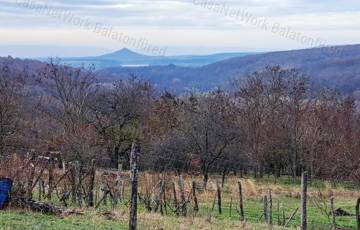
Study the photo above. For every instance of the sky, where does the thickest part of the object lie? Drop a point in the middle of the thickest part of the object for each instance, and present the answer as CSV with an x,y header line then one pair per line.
x,y
42,28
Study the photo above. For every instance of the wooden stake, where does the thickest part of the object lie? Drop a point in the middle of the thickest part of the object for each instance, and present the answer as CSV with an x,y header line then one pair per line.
x,y
175,199
358,214
196,205
78,183
278,213
219,197
241,203
270,219
40,190
92,184
182,196
303,202
134,157
333,212
51,176
161,196
231,200
283,217
266,209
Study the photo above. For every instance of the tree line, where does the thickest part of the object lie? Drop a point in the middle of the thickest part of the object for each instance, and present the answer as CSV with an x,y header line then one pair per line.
x,y
269,122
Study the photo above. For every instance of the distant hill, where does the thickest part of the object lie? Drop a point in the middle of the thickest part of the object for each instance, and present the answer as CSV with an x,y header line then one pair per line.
x,y
126,57
340,69
334,67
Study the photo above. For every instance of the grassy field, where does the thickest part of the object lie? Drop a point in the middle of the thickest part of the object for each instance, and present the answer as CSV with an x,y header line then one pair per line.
x,y
285,196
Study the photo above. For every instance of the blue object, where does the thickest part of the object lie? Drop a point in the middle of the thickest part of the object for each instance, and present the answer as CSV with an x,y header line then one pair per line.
x,y
5,190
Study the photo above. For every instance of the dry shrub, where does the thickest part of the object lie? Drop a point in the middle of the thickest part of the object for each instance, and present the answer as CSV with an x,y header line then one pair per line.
x,y
11,166
18,170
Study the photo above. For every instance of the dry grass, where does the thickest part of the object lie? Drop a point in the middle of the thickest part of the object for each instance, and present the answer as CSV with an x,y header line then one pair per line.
x,y
285,193
153,221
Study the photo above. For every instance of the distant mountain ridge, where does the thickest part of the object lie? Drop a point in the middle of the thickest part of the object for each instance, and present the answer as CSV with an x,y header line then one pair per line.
x,y
339,70
126,57
333,67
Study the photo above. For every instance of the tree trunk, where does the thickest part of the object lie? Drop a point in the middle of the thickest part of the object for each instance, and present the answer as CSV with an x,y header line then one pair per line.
x,y
294,166
206,179
223,177
261,170
278,171
115,157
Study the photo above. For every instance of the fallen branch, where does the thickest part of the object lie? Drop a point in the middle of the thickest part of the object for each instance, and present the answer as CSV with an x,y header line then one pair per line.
x,y
44,208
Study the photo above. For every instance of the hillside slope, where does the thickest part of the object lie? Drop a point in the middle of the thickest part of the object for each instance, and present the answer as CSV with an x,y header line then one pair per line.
x,y
340,69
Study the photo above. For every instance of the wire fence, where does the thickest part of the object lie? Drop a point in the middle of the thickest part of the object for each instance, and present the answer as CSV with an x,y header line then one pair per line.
x,y
48,180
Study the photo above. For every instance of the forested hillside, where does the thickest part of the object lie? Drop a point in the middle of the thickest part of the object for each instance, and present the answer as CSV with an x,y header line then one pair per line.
x,y
326,67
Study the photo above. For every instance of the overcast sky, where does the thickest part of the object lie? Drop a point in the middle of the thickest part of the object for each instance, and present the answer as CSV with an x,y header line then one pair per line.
x,y
28,28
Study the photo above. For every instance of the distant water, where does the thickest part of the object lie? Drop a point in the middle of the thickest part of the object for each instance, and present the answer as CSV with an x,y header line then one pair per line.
x,y
143,65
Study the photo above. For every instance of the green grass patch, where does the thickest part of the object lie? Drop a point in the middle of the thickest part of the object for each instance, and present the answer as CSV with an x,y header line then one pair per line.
x,y
22,220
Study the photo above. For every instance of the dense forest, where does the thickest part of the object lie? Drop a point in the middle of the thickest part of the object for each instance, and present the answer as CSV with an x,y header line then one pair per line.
x,y
269,122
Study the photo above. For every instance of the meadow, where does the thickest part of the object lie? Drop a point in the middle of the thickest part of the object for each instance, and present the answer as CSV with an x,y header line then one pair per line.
x,y
285,199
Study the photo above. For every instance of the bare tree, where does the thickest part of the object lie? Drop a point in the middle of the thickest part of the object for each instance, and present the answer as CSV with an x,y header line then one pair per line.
x,y
208,124
119,114
11,88
66,105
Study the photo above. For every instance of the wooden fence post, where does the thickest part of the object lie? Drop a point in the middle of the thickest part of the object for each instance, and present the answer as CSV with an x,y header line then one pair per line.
x,y
219,197
161,195
39,189
358,214
176,204
164,198
92,184
332,207
266,209
241,203
51,168
182,196
30,182
303,202
77,183
278,213
119,183
270,206
196,205
134,157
